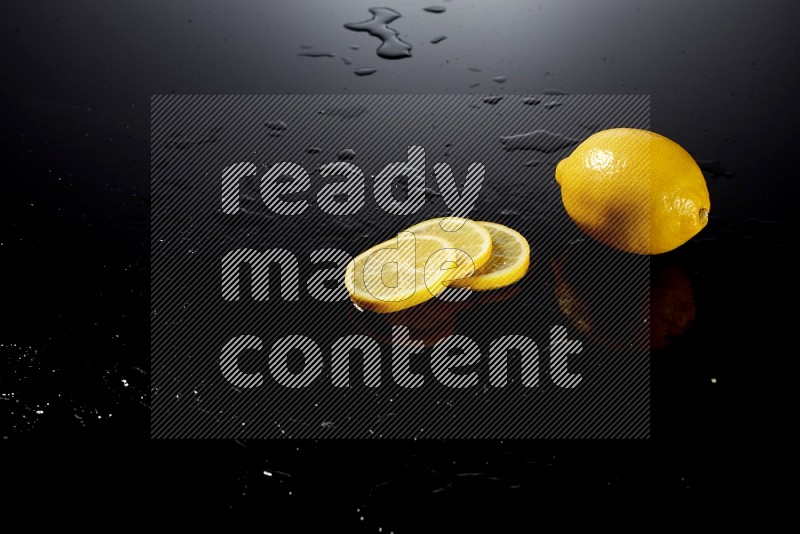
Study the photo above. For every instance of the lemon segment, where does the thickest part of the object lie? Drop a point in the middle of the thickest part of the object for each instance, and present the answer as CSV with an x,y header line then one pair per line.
x,y
508,262
400,273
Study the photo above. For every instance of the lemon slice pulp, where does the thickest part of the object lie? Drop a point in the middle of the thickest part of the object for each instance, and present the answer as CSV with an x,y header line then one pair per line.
x,y
470,240
400,273
508,262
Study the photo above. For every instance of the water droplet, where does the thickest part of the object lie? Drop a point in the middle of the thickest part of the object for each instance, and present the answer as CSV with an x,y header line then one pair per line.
x,y
438,39
474,84
399,187
354,47
276,125
474,69
533,163
530,101
540,140
313,150
714,168
551,105
317,54
435,9
346,154
499,79
347,60
492,99
365,71
391,47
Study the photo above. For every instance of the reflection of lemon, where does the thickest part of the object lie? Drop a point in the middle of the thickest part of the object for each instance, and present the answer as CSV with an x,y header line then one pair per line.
x,y
428,317
610,305
466,236
672,307
634,190
508,262
393,276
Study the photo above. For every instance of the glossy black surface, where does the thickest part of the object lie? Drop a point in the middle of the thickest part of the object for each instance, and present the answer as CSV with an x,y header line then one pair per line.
x,y
76,83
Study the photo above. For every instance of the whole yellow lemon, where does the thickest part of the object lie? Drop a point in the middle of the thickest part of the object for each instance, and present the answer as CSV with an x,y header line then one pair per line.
x,y
634,190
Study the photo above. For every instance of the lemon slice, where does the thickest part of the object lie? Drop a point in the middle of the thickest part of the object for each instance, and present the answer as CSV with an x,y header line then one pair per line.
x,y
509,260
471,241
400,273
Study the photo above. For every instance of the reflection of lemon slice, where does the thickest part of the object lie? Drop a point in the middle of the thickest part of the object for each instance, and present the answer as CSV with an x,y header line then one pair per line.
x,y
400,273
508,262
470,240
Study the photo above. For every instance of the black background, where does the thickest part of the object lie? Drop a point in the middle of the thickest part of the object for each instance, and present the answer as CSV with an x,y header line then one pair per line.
x,y
189,320
76,81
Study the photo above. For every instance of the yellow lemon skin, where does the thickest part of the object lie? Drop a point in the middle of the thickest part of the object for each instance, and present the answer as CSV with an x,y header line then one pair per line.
x,y
634,190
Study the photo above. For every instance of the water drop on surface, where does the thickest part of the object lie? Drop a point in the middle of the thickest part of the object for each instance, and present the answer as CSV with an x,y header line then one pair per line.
x,y
275,125
347,60
552,105
346,154
435,9
499,79
365,71
530,101
317,54
540,140
391,47
430,192
438,39
714,168
313,150
533,163
492,100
